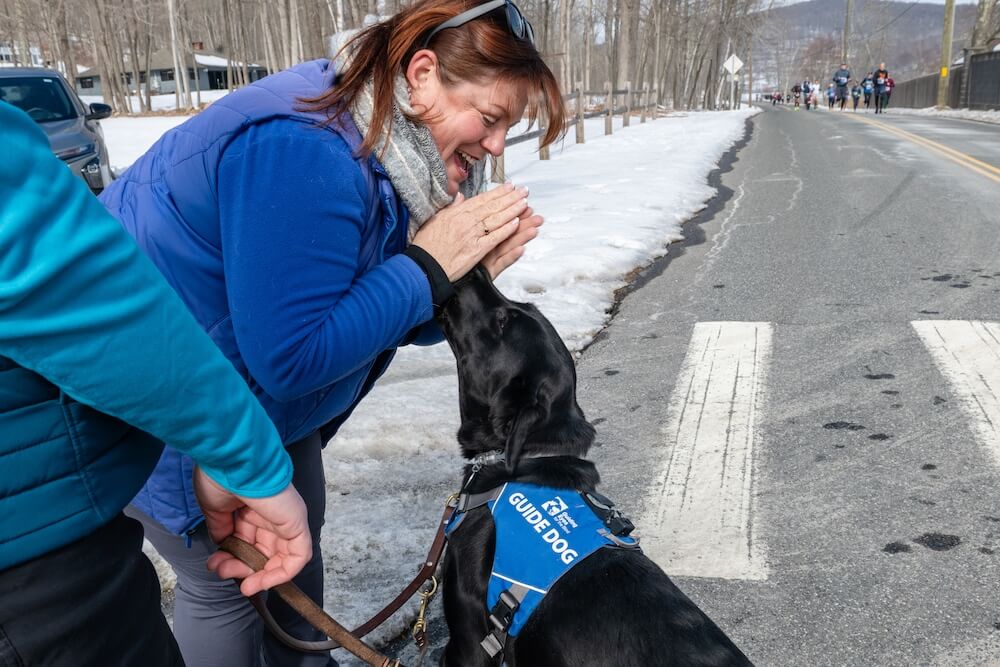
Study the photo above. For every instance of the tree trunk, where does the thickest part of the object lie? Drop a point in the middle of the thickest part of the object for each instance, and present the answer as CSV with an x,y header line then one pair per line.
x,y
132,35
610,37
298,53
179,73
626,8
271,50
148,54
588,42
22,47
981,31
284,44
244,51
565,12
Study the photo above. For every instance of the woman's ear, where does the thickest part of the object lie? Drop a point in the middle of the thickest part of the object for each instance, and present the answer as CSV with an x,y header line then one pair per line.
x,y
422,77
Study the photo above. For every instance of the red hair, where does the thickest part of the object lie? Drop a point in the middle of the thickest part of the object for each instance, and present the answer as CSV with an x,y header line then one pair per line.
x,y
481,51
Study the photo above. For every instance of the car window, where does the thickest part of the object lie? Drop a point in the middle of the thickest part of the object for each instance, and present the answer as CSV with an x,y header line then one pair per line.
x,y
41,97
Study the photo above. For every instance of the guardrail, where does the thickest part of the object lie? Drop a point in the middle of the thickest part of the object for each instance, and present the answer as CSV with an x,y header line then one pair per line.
x,y
646,101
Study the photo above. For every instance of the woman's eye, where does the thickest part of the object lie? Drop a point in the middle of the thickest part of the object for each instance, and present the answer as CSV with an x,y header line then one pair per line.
x,y
489,122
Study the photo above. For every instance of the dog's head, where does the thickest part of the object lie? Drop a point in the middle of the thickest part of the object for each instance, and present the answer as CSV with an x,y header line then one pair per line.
x,y
516,379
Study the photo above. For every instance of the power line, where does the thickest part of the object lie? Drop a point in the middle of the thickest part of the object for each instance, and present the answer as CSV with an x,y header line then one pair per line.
x,y
896,18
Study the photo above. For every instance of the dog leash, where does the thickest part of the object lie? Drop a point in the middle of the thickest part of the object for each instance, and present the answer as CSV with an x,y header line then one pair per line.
x,y
319,619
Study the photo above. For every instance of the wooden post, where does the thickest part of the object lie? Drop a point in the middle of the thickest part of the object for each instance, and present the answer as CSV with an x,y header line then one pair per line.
x,y
643,104
609,105
579,112
946,36
543,151
498,170
628,103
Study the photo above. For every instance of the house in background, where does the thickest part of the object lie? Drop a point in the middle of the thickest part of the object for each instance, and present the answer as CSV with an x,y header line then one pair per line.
x,y
9,53
211,74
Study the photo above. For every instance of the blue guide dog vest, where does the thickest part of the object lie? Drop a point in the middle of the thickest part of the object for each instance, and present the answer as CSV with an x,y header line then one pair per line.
x,y
541,533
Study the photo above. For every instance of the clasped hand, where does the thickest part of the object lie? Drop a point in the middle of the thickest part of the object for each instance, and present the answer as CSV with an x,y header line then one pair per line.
x,y
491,228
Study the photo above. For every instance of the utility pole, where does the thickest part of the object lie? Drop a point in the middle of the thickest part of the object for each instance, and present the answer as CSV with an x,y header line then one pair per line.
x,y
845,47
946,35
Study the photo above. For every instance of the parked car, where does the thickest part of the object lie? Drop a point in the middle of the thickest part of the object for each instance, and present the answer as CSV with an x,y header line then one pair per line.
x,y
72,128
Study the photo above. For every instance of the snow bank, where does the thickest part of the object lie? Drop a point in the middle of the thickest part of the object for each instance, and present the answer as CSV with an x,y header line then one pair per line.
x,y
966,114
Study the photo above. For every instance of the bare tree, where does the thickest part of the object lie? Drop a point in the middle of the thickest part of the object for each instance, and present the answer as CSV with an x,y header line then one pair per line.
x,y
983,29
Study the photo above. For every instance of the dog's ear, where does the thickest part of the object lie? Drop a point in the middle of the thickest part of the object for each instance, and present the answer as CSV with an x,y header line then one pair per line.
x,y
524,421
517,412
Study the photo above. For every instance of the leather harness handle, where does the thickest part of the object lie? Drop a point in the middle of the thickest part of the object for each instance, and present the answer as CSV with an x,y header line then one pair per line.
x,y
255,560
309,610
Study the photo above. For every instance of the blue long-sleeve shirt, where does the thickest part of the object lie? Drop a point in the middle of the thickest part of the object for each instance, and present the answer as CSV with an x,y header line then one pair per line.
x,y
292,219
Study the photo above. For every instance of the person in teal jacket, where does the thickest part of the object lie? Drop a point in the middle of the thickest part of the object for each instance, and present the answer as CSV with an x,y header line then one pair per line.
x,y
100,363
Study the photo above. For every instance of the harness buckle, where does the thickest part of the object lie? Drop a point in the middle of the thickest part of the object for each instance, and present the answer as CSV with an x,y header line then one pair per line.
x,y
501,617
618,524
492,645
502,614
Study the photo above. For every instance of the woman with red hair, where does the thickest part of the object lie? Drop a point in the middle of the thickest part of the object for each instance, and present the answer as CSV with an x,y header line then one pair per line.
x,y
313,222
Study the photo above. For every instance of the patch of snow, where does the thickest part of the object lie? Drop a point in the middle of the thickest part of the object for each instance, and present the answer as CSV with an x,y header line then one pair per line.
x,y
166,102
966,114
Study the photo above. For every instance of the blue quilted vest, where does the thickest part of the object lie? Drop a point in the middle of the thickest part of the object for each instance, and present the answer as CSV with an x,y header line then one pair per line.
x,y
176,178
67,469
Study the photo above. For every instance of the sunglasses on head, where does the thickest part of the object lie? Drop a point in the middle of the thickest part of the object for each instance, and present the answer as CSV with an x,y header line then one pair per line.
x,y
516,23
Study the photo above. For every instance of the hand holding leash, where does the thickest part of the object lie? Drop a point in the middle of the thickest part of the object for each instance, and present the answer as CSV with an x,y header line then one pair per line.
x,y
277,525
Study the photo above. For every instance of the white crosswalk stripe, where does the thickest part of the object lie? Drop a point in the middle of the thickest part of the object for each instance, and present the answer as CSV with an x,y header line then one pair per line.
x,y
968,355
699,518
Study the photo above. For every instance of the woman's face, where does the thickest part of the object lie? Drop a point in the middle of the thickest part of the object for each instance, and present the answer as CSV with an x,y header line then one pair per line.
x,y
466,120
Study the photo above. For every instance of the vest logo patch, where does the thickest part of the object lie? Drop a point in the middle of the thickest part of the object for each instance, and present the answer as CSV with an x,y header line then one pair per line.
x,y
554,506
539,523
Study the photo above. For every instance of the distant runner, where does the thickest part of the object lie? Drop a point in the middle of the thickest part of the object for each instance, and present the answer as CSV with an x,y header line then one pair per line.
x,y
868,87
856,91
807,92
831,95
841,78
881,78
797,93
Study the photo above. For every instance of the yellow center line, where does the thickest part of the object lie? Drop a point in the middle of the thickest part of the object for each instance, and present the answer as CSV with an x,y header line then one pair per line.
x,y
955,156
948,149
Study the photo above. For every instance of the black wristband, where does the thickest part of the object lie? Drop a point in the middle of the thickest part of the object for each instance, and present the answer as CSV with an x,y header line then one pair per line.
x,y
441,288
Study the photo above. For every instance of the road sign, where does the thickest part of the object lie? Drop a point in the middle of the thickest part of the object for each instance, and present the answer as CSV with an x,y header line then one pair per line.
x,y
732,64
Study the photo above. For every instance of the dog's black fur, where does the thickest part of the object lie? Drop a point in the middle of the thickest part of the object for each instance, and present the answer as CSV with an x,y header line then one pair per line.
x,y
517,393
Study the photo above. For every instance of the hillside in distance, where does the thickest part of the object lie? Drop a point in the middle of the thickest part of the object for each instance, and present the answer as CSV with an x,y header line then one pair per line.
x,y
906,36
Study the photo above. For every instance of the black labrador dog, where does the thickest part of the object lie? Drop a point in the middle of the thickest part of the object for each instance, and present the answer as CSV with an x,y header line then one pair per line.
x,y
517,393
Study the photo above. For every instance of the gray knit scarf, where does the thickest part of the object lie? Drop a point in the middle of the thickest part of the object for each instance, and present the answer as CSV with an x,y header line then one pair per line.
x,y
411,157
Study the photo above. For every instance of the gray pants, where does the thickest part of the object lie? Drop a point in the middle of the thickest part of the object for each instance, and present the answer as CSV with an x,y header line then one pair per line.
x,y
214,624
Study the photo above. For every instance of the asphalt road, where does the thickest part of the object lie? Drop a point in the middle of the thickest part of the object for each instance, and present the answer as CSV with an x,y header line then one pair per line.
x,y
874,499
864,502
